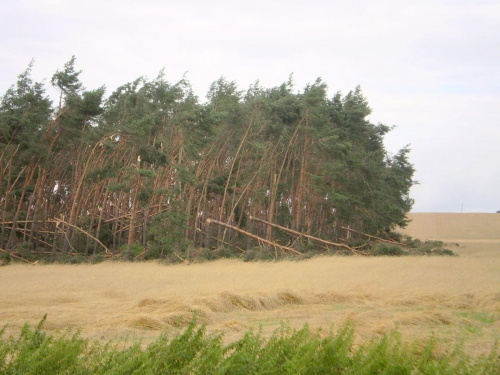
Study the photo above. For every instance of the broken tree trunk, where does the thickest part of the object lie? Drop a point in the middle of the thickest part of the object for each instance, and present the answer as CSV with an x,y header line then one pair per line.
x,y
18,257
306,235
260,239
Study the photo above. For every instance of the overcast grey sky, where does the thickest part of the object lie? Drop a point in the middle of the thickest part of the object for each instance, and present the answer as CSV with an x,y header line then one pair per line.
x,y
431,67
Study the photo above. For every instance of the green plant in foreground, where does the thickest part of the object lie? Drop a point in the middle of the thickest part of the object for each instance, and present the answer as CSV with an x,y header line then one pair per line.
x,y
35,352
287,351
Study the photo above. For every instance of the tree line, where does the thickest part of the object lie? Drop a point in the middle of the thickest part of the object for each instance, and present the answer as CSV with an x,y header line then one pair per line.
x,y
146,167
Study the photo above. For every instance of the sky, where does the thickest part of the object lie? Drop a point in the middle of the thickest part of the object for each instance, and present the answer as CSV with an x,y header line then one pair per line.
x,y
429,67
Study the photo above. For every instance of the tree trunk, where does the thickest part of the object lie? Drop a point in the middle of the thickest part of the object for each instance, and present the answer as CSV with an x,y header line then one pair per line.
x,y
38,204
99,221
13,236
133,212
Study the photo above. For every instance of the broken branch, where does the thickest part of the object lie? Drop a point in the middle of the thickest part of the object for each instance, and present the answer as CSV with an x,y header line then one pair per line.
x,y
306,235
18,257
260,239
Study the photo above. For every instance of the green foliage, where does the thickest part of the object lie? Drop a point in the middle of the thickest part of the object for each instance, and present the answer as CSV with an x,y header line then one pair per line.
x,y
259,253
387,249
185,176
5,258
153,156
429,247
35,352
67,80
135,250
443,252
24,112
100,174
166,233
201,255
223,252
287,351
146,173
120,186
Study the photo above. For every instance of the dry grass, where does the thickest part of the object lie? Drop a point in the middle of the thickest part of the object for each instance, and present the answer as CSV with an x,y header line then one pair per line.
x,y
453,298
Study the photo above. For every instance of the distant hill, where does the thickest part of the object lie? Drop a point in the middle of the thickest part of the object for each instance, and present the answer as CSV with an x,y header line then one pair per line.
x,y
454,226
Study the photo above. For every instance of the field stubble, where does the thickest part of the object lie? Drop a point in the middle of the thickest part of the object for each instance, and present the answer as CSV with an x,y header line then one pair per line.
x,y
452,298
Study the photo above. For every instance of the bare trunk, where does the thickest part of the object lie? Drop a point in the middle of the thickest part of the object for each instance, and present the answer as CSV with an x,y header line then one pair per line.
x,y
38,206
133,212
99,222
13,236
272,202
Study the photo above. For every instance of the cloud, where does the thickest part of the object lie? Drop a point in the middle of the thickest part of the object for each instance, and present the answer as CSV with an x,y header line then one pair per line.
x,y
431,67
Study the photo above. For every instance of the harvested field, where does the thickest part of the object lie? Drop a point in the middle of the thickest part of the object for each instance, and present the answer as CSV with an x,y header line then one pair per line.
x,y
454,227
453,298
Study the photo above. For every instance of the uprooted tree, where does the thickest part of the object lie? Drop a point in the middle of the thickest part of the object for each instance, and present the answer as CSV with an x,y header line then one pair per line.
x,y
142,170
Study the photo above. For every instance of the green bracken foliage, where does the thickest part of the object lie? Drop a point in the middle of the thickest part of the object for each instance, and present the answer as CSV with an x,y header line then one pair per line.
x,y
193,351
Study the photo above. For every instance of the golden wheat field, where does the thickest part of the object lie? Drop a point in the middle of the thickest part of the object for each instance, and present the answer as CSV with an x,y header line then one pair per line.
x,y
453,298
